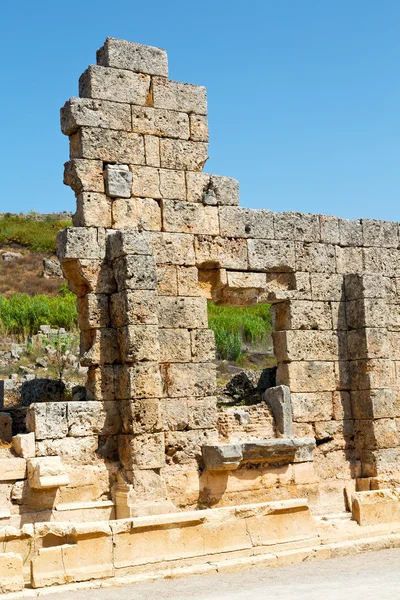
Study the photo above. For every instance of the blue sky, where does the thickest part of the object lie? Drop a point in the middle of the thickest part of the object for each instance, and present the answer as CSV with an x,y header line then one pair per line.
x,y
304,95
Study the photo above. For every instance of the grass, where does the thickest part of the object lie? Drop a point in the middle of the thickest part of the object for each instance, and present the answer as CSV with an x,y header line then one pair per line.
x,y
21,315
235,327
38,236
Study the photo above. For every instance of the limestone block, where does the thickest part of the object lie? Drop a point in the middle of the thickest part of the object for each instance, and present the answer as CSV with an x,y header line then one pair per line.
x,y
359,287
107,145
271,255
381,433
175,345
118,180
149,484
5,427
225,189
12,469
226,457
134,307
189,217
11,572
312,406
314,257
379,233
188,379
99,346
141,213
141,416
84,175
241,222
86,276
181,154
128,242
160,122
341,406
376,507
93,311
145,451
80,243
338,310
203,345
139,342
279,400
172,184
142,380
327,286
202,413
296,226
370,312
349,260
307,376
116,85
135,273
222,252
302,314
46,472
309,345
183,447
77,451
133,57
167,281
185,97
100,384
188,282
145,182
152,150
93,418
350,232
368,343
92,210
174,413
375,404
393,338
242,280
329,229
198,128
173,249
24,444
86,112
47,420
182,312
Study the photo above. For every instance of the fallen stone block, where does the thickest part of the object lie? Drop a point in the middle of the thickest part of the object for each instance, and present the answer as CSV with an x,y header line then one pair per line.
x,y
376,507
47,472
24,445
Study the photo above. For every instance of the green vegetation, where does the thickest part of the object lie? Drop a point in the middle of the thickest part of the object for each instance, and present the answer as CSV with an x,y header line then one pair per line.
x,y
236,326
22,315
38,236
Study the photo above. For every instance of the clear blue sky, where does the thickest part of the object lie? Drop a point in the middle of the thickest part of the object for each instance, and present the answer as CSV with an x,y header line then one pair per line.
x,y
304,95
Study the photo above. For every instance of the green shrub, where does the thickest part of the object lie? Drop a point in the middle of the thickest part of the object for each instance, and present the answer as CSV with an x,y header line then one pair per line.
x,y
235,326
22,315
38,236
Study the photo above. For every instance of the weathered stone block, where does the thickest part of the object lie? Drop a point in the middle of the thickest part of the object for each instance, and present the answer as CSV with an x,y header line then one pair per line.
x,y
185,97
329,229
141,416
189,217
198,128
93,418
308,407
89,276
86,112
188,379
107,145
100,384
359,287
314,257
279,400
173,249
309,345
221,252
139,342
203,345
84,175
93,311
135,273
246,223
160,122
350,232
225,189
302,314
167,281
202,413
371,373
327,286
271,255
142,380
297,227
307,376
5,427
141,213
116,85
349,260
121,54
149,484
92,210
12,469
145,451
11,572
46,472
145,182
376,507
99,346
172,184
174,413
182,312
370,312
181,154
118,180
380,233
24,444
184,447
80,243
368,343
341,406
338,310
188,282
128,242
47,420
152,150
134,307
174,345
372,434
242,280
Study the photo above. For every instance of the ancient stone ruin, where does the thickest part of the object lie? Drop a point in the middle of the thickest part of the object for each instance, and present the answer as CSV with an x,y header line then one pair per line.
x,y
141,472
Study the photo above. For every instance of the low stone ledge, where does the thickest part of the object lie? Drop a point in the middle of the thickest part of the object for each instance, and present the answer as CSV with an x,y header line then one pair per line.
x,y
11,577
376,507
228,457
